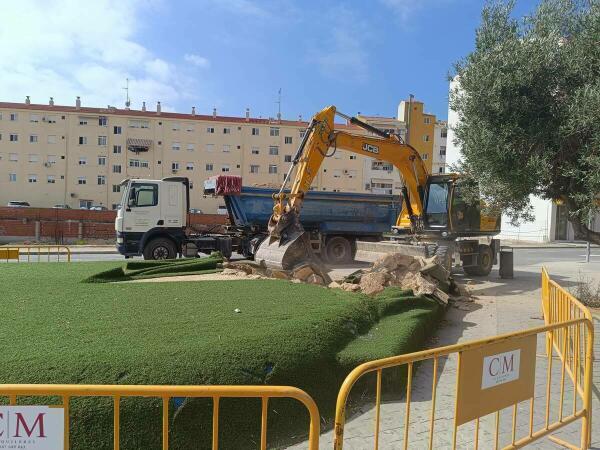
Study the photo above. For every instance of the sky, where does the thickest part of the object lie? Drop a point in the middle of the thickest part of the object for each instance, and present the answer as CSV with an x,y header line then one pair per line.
x,y
362,56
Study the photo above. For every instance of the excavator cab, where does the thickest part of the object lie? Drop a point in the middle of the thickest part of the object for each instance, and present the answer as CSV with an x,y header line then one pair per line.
x,y
450,209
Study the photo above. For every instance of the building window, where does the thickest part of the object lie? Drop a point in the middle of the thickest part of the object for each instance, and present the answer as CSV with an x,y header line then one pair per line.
x,y
12,177
50,119
442,150
441,170
175,126
139,124
255,131
190,147
144,164
287,158
51,159
302,133
116,188
175,165
425,138
424,156
427,120
134,163
255,150
83,121
101,140
189,166
273,150
253,169
116,149
226,130
352,174
189,127
176,146
225,168
33,138
34,118
13,157
116,168
82,140
208,167
14,138
288,139
82,160
102,121
51,179
33,158
116,130
380,165
274,132
272,168
444,132
337,173
101,160
210,130
51,139
352,156
14,117
226,148
210,147
81,180
32,178
101,180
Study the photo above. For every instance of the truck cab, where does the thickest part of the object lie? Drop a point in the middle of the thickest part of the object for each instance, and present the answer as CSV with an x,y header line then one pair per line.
x,y
152,211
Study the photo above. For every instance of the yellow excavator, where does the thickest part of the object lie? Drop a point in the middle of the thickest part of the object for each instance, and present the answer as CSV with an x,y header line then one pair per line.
x,y
435,217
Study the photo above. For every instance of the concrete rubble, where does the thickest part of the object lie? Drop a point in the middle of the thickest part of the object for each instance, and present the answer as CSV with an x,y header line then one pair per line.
x,y
424,276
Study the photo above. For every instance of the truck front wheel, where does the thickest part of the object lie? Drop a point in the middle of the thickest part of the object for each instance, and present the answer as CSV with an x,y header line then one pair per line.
x,y
338,250
485,262
160,248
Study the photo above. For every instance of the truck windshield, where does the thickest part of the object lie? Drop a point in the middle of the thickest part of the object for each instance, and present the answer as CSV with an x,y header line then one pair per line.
x,y
142,195
436,210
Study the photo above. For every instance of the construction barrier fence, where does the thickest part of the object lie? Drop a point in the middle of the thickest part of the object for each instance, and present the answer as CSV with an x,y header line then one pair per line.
x,y
118,392
507,391
35,253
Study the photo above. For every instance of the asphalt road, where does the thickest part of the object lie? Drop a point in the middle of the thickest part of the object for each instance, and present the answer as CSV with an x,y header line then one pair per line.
x,y
522,256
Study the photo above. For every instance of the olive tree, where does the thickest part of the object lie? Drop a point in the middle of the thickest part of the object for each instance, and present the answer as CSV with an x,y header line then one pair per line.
x,y
528,103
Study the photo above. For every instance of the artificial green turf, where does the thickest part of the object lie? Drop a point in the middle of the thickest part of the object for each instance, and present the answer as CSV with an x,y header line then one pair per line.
x,y
58,330
139,270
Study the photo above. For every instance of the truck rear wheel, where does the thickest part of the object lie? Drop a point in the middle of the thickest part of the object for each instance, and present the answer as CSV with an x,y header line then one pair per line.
x,y
484,263
338,250
160,248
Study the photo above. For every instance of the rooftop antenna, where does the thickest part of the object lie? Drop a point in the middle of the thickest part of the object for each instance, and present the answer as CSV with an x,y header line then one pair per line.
x,y
279,104
126,88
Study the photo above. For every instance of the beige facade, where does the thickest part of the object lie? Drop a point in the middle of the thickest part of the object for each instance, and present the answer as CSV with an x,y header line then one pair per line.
x,y
51,154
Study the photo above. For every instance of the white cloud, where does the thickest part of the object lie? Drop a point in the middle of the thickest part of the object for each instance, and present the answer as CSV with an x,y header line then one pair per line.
x,y
341,49
402,8
66,48
197,60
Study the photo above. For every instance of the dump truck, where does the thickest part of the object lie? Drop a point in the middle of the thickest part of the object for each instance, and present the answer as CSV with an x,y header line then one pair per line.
x,y
152,221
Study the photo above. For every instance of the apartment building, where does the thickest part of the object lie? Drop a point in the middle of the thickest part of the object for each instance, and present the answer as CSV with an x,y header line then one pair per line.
x,y
75,155
419,129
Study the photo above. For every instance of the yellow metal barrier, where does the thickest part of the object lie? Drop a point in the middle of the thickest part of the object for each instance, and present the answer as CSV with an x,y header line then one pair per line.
x,y
67,391
569,328
43,252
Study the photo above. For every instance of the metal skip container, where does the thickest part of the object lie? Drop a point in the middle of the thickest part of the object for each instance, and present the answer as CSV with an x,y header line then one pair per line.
x,y
506,262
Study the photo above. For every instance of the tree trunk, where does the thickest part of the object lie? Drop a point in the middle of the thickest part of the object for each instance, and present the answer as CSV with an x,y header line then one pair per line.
x,y
580,229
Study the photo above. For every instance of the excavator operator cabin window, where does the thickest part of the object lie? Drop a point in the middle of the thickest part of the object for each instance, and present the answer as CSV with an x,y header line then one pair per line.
x,y
436,210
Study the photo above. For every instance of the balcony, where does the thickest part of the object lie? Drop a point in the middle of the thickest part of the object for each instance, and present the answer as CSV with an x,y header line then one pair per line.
x,y
138,145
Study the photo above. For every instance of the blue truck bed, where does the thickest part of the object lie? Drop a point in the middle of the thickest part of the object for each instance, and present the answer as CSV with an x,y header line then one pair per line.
x,y
326,212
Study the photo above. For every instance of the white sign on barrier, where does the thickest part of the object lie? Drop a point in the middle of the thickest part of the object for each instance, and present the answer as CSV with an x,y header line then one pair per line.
x,y
500,368
31,428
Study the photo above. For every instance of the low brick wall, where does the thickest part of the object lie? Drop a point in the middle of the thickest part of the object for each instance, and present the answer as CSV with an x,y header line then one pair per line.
x,y
68,225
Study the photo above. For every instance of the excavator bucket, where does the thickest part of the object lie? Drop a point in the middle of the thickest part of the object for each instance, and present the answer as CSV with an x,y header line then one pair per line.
x,y
285,252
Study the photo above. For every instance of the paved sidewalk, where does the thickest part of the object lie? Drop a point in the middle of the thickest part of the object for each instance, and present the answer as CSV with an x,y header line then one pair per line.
x,y
501,306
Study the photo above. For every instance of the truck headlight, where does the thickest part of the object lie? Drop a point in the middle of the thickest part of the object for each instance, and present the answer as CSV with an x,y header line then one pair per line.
x,y
120,240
